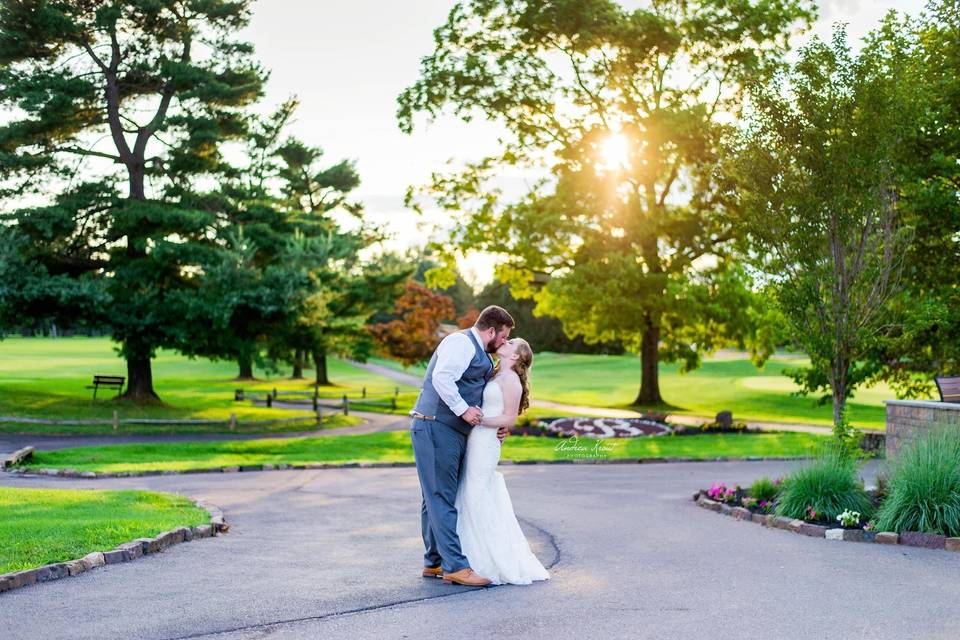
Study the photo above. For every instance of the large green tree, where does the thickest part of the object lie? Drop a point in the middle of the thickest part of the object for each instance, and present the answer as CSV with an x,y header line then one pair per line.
x,y
820,181
625,241
250,286
118,109
921,335
328,247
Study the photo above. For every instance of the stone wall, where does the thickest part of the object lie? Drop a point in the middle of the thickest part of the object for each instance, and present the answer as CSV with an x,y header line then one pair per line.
x,y
906,419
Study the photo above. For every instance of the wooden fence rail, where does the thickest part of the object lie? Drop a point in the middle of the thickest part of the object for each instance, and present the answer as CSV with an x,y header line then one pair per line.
x,y
116,421
316,401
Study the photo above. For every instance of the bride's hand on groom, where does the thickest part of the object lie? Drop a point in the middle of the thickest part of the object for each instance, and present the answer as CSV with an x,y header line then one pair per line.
x,y
502,433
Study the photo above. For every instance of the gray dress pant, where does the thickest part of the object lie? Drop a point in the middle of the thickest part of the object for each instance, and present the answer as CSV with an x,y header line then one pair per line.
x,y
438,450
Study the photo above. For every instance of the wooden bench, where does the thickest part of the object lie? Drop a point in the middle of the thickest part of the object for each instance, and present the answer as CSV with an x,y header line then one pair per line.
x,y
949,389
111,382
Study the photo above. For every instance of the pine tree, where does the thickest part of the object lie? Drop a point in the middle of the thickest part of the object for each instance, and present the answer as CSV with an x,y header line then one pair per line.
x,y
120,108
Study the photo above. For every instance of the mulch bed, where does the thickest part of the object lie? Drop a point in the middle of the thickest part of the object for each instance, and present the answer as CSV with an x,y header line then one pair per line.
x,y
832,531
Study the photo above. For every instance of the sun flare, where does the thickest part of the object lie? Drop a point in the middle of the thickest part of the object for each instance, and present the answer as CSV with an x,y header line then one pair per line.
x,y
615,152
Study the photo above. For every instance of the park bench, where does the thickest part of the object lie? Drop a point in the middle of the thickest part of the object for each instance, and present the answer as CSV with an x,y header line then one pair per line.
x,y
949,389
111,382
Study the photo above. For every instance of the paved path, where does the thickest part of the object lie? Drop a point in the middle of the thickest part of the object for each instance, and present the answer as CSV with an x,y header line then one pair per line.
x,y
374,422
602,412
335,554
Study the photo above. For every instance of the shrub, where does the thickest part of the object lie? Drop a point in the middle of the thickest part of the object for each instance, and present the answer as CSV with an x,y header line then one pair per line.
x,y
923,492
825,489
763,488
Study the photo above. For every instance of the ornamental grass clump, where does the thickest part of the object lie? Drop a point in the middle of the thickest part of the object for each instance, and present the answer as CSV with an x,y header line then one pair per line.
x,y
924,487
764,489
824,490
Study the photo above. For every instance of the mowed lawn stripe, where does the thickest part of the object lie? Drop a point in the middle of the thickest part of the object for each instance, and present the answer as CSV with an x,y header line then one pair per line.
x,y
44,526
395,447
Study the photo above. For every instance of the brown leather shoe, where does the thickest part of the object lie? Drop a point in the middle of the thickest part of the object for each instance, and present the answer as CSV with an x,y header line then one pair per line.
x,y
432,572
467,577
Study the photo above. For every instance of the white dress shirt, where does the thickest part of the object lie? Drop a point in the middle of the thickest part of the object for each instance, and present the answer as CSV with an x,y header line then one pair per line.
x,y
454,355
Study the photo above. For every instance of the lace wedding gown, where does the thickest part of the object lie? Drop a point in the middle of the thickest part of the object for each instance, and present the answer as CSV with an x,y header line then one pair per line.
x,y
490,536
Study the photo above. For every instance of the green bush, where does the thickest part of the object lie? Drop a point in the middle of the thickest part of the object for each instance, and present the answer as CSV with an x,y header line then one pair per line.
x,y
924,486
763,488
829,486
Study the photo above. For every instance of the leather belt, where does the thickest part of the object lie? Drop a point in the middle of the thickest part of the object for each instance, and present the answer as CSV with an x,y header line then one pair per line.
x,y
419,416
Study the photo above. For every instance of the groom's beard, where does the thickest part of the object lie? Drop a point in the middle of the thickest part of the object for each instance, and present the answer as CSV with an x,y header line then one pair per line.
x,y
490,348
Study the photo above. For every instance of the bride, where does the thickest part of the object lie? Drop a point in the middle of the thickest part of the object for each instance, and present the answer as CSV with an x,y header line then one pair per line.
x,y
490,536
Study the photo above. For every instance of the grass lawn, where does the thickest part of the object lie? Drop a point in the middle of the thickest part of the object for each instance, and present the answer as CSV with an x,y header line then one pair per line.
x,y
395,447
46,378
736,385
43,526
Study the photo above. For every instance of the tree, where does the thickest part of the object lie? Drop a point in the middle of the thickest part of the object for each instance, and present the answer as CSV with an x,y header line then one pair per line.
x,y
119,109
464,299
921,334
345,291
249,287
544,333
413,336
626,240
818,180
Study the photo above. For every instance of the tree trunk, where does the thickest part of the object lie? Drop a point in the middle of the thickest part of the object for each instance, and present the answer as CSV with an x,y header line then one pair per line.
x,y
838,388
320,361
140,380
649,363
245,362
298,359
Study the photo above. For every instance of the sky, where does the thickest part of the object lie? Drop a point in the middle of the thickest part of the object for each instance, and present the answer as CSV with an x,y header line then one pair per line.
x,y
348,61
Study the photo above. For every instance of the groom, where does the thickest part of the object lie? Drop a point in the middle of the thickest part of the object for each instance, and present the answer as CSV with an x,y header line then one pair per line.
x,y
448,407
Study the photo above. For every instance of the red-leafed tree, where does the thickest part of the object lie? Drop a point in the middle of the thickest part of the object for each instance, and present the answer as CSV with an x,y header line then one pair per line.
x,y
469,318
414,334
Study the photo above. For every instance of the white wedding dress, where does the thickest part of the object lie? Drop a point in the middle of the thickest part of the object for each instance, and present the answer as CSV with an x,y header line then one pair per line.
x,y
490,536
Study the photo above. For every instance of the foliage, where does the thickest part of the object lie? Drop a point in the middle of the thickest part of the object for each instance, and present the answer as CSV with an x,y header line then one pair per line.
x,y
250,286
544,333
626,108
819,177
343,291
412,337
763,488
924,486
824,489
921,337
119,110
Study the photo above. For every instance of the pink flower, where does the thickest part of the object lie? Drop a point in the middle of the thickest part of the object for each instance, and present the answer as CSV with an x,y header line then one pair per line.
x,y
716,490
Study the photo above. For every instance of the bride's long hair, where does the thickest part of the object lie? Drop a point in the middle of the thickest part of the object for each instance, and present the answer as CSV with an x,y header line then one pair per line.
x,y
522,368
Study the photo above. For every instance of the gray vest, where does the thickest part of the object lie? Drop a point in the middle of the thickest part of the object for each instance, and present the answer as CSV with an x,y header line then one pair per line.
x,y
470,385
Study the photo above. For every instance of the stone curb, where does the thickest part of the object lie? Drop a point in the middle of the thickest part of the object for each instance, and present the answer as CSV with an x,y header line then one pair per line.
x,y
908,538
123,553
72,473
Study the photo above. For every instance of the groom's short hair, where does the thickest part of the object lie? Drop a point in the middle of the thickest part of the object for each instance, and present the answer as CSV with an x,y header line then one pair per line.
x,y
496,317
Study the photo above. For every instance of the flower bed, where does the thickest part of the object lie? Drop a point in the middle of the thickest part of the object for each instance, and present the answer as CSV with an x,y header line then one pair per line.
x,y
599,428
830,532
827,499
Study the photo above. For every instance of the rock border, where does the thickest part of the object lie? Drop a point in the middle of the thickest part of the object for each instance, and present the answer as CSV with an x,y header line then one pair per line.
x,y
72,473
123,553
907,538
